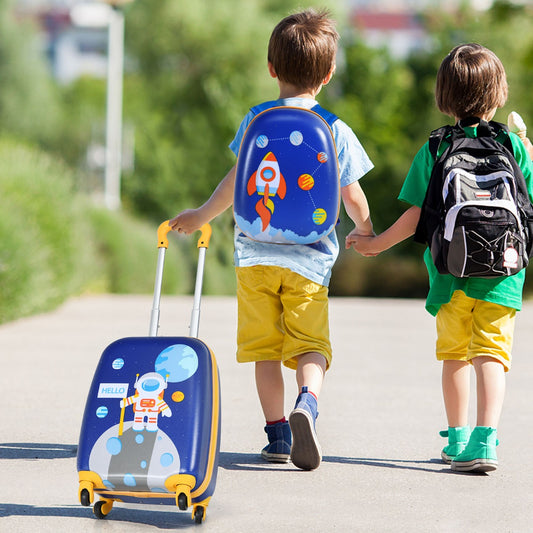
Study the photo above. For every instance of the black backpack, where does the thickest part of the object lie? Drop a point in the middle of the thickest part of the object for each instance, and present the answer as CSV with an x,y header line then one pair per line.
x,y
476,217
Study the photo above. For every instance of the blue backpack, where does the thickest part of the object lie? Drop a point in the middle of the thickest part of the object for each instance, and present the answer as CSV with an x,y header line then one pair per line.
x,y
287,186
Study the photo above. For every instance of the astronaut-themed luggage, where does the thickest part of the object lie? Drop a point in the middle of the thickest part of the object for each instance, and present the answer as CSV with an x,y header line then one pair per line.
x,y
151,428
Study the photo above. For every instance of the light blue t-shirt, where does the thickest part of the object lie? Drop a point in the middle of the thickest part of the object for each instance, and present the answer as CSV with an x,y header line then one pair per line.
x,y
313,261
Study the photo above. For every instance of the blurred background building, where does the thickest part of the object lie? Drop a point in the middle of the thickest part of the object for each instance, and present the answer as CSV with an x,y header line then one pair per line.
x,y
75,48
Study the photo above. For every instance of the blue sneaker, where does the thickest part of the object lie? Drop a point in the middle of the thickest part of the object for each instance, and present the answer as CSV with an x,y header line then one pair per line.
x,y
278,449
305,452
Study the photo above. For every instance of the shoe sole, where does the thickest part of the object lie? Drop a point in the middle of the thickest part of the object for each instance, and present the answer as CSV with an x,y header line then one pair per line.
x,y
305,451
275,457
447,458
476,465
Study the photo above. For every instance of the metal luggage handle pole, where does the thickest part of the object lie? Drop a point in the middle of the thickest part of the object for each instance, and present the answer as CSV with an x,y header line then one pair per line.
x,y
162,244
203,244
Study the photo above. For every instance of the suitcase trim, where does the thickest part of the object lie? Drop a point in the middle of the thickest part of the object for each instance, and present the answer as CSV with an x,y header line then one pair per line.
x,y
215,417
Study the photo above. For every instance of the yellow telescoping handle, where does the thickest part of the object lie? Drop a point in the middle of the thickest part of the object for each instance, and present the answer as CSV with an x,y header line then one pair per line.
x,y
205,237
165,228
162,234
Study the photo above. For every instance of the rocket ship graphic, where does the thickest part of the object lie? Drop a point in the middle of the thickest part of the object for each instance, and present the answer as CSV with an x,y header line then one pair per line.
x,y
267,181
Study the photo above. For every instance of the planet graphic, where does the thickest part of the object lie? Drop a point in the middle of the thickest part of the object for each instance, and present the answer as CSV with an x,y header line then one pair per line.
x,y
118,363
261,141
319,216
322,157
179,362
296,138
306,182
178,396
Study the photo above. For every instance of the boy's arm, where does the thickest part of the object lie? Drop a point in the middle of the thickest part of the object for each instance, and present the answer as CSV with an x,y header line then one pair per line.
x,y
403,228
529,147
357,209
190,220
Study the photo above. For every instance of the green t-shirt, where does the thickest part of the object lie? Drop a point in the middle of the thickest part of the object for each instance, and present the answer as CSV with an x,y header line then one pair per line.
x,y
505,290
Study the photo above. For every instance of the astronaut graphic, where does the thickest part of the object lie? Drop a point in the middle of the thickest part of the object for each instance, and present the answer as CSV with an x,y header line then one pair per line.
x,y
147,401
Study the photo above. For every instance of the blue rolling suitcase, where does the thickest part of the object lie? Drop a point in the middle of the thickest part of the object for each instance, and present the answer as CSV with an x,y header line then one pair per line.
x,y
151,428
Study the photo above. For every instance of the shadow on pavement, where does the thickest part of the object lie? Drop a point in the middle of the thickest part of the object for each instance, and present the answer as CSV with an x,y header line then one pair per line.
x,y
34,450
254,462
149,517
392,463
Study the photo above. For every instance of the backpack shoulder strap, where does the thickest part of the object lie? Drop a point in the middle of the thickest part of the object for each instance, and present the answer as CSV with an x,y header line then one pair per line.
x,y
262,107
501,134
492,129
329,117
436,137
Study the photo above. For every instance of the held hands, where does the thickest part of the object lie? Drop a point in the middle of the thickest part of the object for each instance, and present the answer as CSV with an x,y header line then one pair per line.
x,y
366,245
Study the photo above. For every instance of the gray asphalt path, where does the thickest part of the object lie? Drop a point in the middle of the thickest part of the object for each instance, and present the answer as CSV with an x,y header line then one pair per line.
x,y
380,413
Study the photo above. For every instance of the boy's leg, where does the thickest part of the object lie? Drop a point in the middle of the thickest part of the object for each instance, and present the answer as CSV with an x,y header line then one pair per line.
x,y
490,353
480,452
260,340
490,383
454,331
305,451
456,391
310,372
306,349
270,388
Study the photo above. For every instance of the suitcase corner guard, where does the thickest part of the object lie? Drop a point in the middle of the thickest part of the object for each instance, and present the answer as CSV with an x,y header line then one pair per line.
x,y
182,485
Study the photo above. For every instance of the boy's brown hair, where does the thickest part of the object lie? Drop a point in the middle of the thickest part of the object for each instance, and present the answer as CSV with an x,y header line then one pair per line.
x,y
471,81
303,47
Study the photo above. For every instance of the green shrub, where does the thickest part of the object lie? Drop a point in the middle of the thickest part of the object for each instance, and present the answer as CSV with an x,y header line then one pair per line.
x,y
127,251
54,244
41,262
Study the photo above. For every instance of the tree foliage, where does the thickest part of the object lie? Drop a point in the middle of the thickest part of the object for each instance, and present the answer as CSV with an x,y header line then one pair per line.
x,y
391,105
192,71
29,104
199,66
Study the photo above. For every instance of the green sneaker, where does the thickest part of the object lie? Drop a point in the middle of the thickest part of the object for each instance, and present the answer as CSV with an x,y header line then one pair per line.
x,y
480,452
457,441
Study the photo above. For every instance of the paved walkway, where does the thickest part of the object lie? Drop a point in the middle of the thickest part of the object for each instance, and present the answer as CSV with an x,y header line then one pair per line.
x,y
380,413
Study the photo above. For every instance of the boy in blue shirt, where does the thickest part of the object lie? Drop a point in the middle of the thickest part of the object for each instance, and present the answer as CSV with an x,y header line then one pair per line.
x,y
475,316
282,290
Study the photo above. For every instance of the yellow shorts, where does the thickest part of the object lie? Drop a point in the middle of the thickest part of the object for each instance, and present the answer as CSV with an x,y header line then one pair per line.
x,y
281,315
469,328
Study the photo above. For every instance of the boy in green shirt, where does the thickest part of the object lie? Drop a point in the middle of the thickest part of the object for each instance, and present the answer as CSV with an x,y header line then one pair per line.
x,y
475,316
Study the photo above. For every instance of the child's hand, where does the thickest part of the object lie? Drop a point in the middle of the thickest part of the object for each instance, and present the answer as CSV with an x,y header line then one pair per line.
x,y
351,238
363,244
187,221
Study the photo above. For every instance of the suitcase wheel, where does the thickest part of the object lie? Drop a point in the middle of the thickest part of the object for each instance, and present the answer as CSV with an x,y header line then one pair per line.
x,y
183,496
85,497
183,500
102,508
198,514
